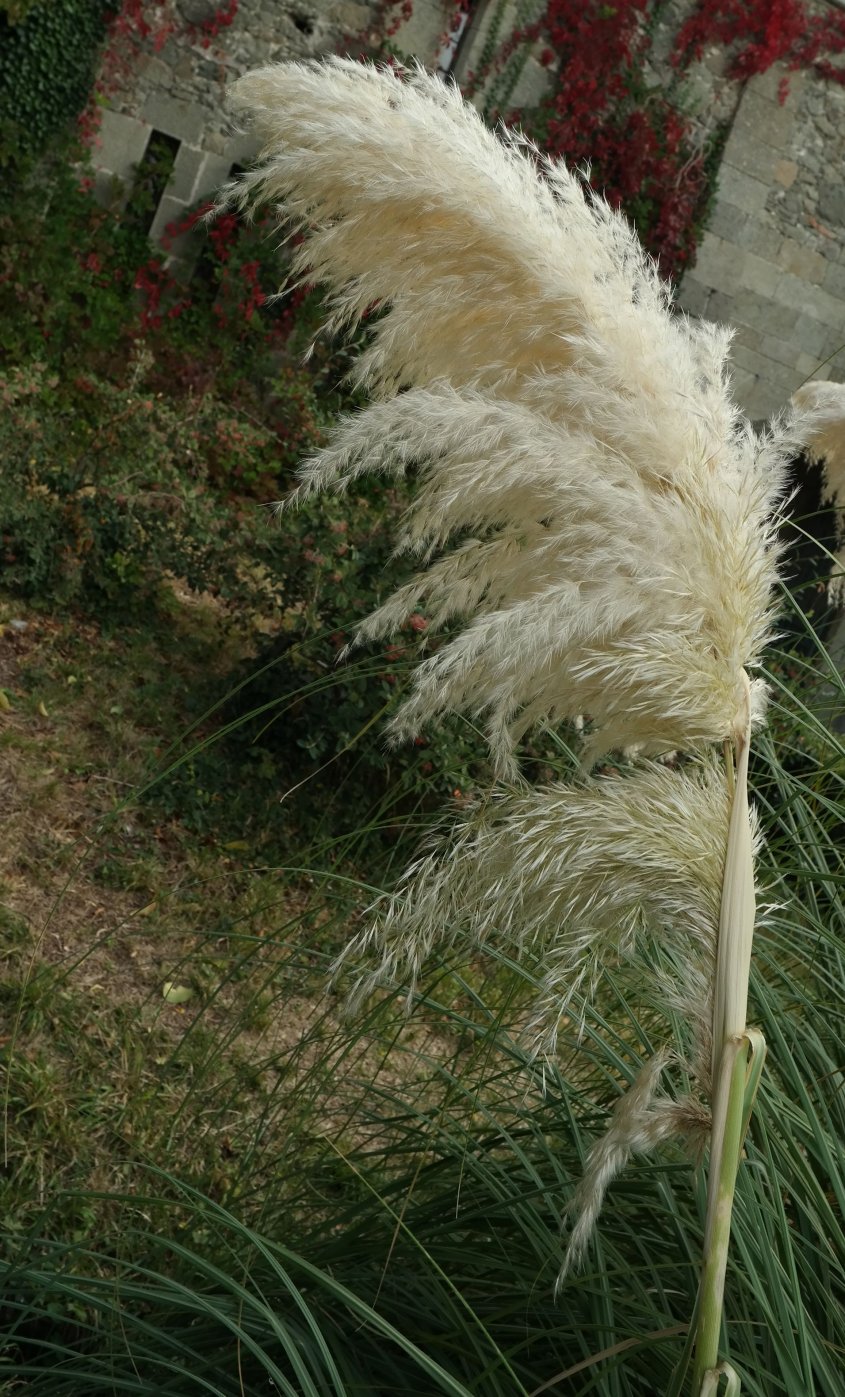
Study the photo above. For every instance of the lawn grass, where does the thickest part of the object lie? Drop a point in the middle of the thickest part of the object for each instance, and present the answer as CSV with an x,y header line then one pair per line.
x,y
105,900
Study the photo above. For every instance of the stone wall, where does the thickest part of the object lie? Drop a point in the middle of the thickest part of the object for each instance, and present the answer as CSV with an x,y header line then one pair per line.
x,y
772,262
179,91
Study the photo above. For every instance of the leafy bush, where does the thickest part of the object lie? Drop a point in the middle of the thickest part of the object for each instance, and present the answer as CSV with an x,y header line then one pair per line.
x,y
67,274
308,725
105,489
48,54
16,10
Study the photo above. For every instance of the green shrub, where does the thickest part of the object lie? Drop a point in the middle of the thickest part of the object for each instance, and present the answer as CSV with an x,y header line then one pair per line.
x,y
67,274
48,54
16,10
105,490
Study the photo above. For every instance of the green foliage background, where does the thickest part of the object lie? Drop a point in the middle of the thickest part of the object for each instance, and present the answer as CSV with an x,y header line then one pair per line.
x,y
48,54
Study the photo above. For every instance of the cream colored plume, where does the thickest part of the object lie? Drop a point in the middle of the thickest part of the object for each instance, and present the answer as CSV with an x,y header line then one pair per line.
x,y
824,433
579,874
594,521
583,876
613,517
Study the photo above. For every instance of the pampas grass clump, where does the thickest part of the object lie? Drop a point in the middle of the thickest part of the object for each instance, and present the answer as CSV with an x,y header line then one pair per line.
x,y
825,402
595,511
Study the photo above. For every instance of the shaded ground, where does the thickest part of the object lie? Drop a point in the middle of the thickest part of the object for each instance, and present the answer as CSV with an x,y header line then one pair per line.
x,y
103,906
162,995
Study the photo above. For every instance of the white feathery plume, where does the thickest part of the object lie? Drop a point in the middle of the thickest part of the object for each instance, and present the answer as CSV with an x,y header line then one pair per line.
x,y
824,433
576,874
641,1120
580,875
617,546
613,524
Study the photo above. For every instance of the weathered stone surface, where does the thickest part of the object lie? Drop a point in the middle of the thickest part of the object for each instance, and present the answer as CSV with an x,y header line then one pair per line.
x,y
743,384
186,167
765,399
694,296
714,268
214,172
763,239
123,141
182,120
168,211
731,223
832,204
811,336
761,276
834,281
758,313
801,261
807,365
808,336
197,11
752,158
785,172
739,188
760,121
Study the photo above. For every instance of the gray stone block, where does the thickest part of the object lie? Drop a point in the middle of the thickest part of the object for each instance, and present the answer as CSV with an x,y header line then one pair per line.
x,y
693,296
214,173
741,189
765,399
752,157
760,122
763,239
123,141
822,306
743,385
110,192
729,222
352,18
811,337
820,372
239,148
420,33
758,313
718,264
217,142
169,209
182,120
801,261
832,205
720,308
792,291
783,352
834,282
532,86
759,275
785,172
802,296
807,365
766,369
768,85
834,350
197,11
186,168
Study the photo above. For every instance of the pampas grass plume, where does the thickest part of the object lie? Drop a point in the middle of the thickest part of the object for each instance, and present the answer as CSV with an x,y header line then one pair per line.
x,y
592,516
614,515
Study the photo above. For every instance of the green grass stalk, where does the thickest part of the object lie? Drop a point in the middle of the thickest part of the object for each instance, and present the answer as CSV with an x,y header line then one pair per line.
x,y
730,1059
